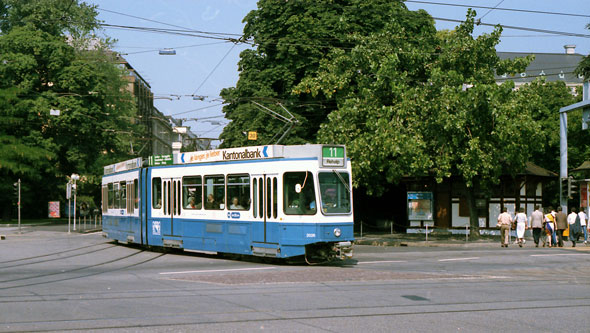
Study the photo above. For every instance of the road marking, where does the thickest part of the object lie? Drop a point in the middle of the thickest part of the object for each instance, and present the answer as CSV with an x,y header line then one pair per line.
x,y
457,259
559,254
219,270
380,262
92,233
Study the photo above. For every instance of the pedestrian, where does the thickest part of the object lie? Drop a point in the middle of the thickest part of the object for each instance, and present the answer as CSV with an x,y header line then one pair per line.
x,y
536,223
583,223
521,225
561,224
573,221
550,227
504,222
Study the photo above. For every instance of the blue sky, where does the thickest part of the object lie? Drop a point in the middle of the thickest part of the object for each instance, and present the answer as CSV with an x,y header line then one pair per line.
x,y
204,66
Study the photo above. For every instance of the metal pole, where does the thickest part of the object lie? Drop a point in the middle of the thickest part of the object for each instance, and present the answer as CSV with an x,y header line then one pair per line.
x,y
562,158
69,211
427,232
361,229
75,190
391,226
19,231
84,222
467,233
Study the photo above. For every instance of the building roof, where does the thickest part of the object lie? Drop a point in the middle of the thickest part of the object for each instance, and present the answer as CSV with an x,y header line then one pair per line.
x,y
583,167
535,170
551,66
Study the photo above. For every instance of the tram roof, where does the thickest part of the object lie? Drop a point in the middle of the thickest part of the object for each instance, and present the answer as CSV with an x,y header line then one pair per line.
x,y
329,155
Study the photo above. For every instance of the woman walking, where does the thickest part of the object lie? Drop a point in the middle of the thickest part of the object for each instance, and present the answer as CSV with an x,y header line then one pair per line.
x,y
521,221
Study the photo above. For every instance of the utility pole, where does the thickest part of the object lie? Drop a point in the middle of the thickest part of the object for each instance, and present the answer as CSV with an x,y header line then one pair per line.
x,y
18,205
584,104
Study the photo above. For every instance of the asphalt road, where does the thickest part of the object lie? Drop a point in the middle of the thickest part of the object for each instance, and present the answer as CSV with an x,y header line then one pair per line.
x,y
52,281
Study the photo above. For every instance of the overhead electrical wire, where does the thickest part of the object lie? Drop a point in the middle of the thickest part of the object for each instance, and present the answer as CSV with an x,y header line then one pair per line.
x,y
214,68
489,11
497,8
552,32
165,23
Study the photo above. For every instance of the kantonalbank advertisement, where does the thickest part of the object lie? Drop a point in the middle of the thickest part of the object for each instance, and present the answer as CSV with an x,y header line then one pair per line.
x,y
231,154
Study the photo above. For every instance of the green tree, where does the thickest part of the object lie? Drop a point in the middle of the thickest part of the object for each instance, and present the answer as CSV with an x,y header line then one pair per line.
x,y
290,39
584,66
427,107
50,61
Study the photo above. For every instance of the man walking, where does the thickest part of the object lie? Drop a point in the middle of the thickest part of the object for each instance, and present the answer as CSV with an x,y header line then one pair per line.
x,y
536,221
561,221
505,222
582,216
573,221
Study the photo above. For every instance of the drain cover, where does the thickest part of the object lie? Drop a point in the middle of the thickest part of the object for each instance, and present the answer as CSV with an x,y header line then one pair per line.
x,y
415,298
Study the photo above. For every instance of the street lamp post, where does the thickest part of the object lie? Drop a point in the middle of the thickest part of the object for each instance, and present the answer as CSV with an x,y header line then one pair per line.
x,y
74,178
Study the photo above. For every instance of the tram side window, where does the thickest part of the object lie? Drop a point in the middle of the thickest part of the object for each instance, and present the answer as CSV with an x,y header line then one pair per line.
x,y
111,195
136,187
192,192
335,193
157,193
105,199
214,192
299,193
117,191
238,192
123,195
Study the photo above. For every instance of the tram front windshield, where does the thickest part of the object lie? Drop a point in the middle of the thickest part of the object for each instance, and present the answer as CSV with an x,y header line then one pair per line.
x,y
335,192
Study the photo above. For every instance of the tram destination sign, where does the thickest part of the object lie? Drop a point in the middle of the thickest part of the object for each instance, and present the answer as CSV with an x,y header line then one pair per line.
x,y
160,160
231,154
333,156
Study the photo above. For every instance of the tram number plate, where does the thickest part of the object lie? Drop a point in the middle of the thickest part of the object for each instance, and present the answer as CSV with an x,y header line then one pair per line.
x,y
332,156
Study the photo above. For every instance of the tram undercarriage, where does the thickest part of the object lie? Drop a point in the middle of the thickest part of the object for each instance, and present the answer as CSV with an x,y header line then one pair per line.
x,y
324,252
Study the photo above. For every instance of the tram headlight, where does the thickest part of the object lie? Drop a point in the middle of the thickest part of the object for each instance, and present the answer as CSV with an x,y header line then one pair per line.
x,y
337,232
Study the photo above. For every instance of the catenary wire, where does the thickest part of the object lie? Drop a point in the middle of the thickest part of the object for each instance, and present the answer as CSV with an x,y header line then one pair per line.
x,y
497,8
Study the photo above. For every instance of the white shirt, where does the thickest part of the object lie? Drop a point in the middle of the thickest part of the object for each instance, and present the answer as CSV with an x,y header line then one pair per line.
x,y
582,216
571,218
520,218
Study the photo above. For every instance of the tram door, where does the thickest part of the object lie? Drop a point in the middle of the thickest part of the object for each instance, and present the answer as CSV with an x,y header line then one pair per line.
x,y
171,193
265,208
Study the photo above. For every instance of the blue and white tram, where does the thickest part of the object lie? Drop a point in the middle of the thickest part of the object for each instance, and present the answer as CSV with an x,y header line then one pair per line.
x,y
273,201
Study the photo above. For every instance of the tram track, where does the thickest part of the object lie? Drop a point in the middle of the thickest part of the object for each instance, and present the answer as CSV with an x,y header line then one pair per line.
x,y
178,321
79,269
69,252
52,254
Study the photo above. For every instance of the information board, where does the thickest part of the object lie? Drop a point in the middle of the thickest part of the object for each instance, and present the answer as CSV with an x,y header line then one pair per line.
x,y
420,206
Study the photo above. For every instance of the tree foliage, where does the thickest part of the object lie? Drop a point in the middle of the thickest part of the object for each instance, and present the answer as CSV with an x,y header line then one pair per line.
x,y
427,107
290,39
49,61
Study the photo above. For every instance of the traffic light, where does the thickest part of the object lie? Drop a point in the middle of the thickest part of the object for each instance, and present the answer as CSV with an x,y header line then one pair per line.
x,y
564,187
572,187
15,189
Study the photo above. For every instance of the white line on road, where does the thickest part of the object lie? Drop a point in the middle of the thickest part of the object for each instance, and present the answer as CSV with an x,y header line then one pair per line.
x,y
92,233
219,270
559,254
380,262
457,259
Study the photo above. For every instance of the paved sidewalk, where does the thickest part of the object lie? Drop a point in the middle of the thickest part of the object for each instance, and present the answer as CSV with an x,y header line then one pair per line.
x,y
419,240
372,239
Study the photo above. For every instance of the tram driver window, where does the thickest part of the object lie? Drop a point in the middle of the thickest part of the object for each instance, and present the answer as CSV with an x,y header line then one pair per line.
x,y
192,192
238,192
335,192
299,193
157,193
214,192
